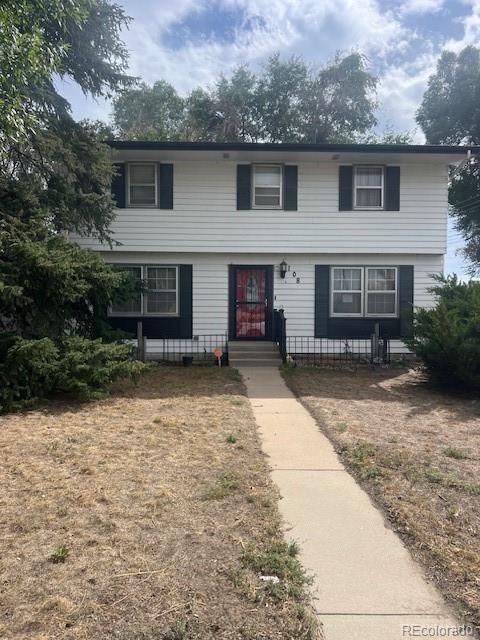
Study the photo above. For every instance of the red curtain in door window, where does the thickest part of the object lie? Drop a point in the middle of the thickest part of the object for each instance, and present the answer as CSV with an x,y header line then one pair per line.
x,y
250,303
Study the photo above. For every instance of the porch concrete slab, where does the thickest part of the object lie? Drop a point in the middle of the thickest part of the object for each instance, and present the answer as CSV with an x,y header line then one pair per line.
x,y
365,581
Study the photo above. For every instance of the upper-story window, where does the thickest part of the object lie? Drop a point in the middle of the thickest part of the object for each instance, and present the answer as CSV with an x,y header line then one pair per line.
x,y
267,186
142,184
368,187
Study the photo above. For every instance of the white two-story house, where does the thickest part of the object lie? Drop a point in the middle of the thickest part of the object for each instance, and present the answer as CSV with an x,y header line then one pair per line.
x,y
341,237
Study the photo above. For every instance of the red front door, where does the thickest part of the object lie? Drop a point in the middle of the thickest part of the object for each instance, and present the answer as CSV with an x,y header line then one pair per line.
x,y
250,302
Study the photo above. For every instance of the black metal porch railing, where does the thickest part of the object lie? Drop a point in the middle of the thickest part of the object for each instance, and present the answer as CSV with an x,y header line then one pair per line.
x,y
281,333
185,351
338,351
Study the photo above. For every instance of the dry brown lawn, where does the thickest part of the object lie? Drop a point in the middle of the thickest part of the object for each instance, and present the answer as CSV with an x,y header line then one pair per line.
x,y
417,451
149,514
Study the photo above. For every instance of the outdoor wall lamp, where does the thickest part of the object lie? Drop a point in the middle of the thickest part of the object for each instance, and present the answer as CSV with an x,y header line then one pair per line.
x,y
283,269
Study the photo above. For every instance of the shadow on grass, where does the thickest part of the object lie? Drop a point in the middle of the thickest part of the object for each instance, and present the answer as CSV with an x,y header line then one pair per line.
x,y
396,384
158,381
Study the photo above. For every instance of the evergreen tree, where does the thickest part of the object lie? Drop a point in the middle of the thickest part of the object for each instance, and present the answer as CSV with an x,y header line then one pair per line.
x,y
447,337
55,178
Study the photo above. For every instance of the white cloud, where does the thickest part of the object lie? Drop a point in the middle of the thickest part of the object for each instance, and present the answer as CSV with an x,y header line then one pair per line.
x,y
471,27
402,85
310,28
418,7
400,92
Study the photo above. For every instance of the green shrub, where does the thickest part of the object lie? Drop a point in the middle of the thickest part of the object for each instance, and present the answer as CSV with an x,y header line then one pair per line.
x,y
447,337
34,369
87,367
28,371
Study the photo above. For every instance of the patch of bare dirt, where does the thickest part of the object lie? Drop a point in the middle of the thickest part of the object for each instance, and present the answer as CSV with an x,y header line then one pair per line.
x,y
132,518
416,449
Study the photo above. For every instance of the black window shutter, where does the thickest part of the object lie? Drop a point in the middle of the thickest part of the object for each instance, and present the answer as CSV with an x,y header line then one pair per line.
x,y
244,186
322,299
290,187
165,174
118,185
345,188
392,189
186,316
405,299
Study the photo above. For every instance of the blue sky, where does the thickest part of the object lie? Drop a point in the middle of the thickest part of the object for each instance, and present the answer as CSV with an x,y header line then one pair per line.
x,y
189,42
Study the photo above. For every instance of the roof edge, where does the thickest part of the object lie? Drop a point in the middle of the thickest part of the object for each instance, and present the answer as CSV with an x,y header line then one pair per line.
x,y
288,146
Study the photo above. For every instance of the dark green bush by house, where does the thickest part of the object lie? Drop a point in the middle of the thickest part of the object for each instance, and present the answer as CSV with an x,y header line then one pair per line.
x,y
447,337
34,369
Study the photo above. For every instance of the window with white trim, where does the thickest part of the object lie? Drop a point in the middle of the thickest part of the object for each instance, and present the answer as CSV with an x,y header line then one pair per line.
x,y
267,186
159,296
364,292
381,291
368,187
347,297
142,184
162,291
132,306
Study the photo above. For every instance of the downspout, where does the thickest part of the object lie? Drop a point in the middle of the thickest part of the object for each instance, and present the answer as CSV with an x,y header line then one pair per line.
x,y
462,164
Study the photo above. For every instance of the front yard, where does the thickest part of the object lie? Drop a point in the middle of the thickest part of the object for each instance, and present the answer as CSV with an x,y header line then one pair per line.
x,y
417,452
149,514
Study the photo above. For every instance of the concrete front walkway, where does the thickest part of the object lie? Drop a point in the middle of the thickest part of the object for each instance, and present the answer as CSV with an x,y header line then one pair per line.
x,y
367,586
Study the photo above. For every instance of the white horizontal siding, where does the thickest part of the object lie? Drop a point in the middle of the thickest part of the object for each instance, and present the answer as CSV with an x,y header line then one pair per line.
x,y
210,283
205,219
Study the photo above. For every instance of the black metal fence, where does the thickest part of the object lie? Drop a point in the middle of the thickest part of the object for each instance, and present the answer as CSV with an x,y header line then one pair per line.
x,y
185,351
338,351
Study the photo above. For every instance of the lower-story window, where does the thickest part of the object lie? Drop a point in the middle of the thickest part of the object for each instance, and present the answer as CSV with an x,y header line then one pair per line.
x,y
363,291
381,291
347,295
132,306
159,294
162,290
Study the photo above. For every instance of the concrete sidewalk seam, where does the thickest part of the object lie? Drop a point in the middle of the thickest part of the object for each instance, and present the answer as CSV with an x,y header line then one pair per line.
x,y
306,469
383,615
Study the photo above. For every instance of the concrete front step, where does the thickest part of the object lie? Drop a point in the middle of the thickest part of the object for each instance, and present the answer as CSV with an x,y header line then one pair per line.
x,y
261,353
254,362
253,353
252,345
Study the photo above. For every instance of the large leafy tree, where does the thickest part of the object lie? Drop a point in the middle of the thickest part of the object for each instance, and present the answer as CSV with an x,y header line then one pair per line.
x,y
288,101
235,105
278,98
338,101
202,119
450,113
149,113
54,172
